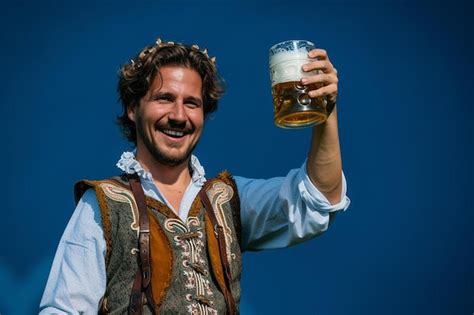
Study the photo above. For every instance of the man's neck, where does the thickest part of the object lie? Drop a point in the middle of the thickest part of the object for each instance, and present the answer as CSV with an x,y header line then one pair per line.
x,y
178,175
171,181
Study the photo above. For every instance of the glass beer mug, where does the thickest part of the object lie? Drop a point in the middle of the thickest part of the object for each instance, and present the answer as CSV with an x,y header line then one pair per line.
x,y
292,106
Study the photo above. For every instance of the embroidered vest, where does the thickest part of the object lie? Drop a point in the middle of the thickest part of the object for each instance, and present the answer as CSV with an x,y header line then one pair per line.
x,y
187,276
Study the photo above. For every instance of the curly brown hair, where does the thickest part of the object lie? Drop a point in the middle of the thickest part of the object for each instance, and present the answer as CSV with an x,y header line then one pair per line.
x,y
135,78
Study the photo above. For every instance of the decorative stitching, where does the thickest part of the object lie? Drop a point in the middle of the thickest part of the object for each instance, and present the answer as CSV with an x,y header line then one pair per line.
x,y
124,196
227,177
219,194
196,277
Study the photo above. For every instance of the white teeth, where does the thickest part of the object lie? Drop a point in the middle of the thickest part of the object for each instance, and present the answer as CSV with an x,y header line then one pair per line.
x,y
173,133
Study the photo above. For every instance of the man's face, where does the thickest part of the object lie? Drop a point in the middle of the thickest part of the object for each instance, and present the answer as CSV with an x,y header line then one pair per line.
x,y
170,117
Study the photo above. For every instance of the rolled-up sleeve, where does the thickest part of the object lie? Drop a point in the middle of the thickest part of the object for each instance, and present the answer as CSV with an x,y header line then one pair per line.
x,y
315,199
284,211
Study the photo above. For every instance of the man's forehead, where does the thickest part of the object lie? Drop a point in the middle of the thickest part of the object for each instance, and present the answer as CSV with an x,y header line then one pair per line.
x,y
177,77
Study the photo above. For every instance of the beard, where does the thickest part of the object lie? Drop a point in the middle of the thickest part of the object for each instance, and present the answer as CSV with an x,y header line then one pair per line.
x,y
161,156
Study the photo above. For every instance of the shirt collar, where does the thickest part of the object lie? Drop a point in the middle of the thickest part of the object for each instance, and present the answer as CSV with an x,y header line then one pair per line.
x,y
130,165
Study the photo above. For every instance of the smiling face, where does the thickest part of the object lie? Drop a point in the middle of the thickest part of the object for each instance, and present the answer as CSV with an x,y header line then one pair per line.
x,y
169,118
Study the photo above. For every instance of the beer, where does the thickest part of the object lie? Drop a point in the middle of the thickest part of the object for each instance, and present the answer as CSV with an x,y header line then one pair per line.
x,y
293,108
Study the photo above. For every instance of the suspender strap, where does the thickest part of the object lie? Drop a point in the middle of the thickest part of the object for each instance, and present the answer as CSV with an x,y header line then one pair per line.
x,y
143,276
136,301
219,234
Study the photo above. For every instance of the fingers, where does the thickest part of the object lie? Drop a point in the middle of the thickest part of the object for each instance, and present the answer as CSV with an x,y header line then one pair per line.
x,y
328,90
322,62
323,78
318,53
326,79
323,65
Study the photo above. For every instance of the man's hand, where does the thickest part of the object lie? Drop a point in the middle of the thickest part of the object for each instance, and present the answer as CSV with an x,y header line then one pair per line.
x,y
326,77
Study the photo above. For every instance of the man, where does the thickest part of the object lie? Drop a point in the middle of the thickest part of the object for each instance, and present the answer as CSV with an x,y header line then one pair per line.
x,y
162,238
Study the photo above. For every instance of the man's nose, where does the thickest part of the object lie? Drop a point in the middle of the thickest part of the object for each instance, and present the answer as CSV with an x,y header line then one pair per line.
x,y
178,113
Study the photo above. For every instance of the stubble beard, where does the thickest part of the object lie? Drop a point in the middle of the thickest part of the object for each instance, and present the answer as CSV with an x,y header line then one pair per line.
x,y
158,154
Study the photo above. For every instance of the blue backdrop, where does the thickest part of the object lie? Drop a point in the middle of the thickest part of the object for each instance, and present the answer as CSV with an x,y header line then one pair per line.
x,y
405,246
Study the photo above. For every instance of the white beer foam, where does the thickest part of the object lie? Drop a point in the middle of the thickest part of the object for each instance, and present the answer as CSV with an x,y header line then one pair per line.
x,y
286,66
285,55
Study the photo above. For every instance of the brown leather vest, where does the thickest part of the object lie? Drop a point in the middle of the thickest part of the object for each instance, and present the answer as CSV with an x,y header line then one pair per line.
x,y
188,275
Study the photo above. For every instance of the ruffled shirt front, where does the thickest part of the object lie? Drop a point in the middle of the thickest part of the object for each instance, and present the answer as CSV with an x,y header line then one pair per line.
x,y
128,164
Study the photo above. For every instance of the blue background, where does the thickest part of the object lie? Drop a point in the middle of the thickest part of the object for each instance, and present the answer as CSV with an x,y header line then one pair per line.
x,y
405,246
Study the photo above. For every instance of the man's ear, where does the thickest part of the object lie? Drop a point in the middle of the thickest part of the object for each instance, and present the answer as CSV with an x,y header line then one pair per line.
x,y
131,111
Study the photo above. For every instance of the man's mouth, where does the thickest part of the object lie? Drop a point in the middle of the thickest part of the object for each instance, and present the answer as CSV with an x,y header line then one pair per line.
x,y
173,133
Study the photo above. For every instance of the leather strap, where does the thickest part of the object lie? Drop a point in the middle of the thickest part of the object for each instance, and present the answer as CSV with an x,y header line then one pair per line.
x,y
220,237
136,301
141,283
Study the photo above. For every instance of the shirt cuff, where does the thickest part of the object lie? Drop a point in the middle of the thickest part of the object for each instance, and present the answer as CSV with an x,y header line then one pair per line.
x,y
315,199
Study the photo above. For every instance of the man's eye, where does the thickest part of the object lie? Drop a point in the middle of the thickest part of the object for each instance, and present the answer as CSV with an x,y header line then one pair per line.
x,y
163,99
192,104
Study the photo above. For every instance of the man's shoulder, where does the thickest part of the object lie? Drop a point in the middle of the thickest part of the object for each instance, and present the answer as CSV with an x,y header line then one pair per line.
x,y
118,182
224,183
226,177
